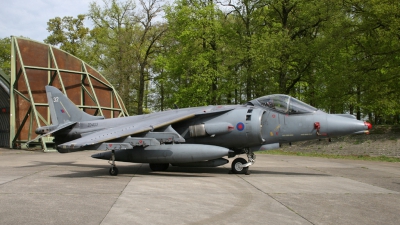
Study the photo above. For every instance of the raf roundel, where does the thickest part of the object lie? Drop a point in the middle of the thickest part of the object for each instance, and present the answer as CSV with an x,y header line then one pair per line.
x,y
240,126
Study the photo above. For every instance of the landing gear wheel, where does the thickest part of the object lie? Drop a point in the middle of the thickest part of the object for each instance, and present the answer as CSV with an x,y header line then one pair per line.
x,y
237,166
113,171
159,166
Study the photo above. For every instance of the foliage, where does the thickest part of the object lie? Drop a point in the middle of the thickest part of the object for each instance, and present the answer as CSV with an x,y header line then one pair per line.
x,y
193,59
69,33
340,56
5,55
126,41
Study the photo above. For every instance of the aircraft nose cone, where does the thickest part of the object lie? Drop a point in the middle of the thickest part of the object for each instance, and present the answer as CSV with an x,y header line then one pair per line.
x,y
338,125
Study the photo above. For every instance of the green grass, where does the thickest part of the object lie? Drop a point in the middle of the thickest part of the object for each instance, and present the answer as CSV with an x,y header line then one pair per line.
x,y
329,156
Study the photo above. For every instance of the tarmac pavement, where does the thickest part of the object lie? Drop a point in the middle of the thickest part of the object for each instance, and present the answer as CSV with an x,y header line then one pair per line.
x,y
53,188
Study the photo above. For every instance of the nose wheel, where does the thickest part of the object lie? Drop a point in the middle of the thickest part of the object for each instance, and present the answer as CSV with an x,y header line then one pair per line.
x,y
241,166
238,166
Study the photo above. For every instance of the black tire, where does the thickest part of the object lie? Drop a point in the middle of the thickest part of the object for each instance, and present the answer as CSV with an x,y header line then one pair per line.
x,y
113,171
237,166
159,166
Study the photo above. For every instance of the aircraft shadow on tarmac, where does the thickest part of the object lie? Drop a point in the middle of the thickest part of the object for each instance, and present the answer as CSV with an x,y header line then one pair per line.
x,y
72,163
265,172
134,169
137,169
130,172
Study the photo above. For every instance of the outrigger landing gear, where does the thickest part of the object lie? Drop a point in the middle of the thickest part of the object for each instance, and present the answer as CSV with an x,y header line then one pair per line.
x,y
241,166
113,170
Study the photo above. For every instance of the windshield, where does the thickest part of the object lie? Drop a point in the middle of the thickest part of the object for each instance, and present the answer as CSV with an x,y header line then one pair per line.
x,y
276,102
284,104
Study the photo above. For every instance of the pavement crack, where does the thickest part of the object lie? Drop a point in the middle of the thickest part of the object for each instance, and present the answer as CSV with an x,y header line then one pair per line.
x,y
269,195
122,191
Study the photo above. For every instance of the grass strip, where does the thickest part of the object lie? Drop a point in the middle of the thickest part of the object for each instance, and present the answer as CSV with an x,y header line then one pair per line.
x,y
329,156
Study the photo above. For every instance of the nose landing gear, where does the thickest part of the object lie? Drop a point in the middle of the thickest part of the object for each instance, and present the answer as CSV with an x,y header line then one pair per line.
x,y
241,166
237,166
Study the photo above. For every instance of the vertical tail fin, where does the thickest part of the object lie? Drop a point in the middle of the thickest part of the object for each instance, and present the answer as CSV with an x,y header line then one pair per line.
x,y
63,110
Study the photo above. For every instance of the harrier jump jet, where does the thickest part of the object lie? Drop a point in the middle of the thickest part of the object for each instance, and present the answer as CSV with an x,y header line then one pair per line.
x,y
193,137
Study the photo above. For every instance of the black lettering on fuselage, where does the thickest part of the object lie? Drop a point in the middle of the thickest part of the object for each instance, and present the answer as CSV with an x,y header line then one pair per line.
x,y
93,124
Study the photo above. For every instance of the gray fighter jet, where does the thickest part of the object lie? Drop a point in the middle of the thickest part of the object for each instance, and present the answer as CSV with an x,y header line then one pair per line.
x,y
193,137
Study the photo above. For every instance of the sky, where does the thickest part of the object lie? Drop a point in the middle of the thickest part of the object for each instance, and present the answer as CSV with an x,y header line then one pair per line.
x,y
29,18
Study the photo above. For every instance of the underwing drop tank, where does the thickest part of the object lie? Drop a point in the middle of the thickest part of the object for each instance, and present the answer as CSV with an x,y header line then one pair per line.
x,y
174,153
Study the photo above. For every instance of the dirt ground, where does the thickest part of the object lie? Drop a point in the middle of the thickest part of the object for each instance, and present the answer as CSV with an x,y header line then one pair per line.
x,y
382,141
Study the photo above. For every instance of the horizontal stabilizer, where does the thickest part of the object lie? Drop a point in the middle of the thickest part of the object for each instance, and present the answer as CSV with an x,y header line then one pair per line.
x,y
59,128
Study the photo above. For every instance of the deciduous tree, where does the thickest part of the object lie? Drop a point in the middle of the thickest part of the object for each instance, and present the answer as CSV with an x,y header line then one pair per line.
x,y
5,55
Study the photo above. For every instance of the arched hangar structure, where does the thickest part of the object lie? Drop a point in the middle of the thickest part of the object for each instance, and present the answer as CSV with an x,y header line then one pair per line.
x,y
4,109
35,65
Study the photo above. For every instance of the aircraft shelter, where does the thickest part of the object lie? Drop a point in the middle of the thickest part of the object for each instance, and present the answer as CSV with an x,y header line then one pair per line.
x,y
24,108
4,109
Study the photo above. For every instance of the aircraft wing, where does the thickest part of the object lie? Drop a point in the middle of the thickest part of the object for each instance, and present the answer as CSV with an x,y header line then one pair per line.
x,y
147,123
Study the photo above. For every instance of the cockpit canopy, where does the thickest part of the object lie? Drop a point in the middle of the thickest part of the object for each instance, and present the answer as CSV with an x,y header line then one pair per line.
x,y
283,104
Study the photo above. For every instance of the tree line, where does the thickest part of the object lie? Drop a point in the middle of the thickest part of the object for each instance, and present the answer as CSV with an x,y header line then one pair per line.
x,y
339,56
